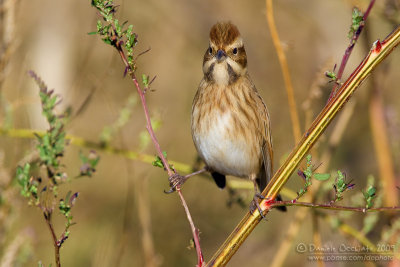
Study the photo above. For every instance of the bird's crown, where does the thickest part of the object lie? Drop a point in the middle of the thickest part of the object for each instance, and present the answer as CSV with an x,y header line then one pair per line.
x,y
223,33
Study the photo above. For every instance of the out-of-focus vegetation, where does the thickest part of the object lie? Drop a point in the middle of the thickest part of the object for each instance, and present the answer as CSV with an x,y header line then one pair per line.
x,y
123,217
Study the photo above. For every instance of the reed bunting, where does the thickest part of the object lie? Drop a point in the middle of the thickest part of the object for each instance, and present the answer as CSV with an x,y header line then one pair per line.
x,y
230,122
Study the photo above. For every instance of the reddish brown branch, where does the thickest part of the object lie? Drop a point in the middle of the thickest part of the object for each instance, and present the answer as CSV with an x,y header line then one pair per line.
x,y
149,127
47,217
329,206
349,49
195,232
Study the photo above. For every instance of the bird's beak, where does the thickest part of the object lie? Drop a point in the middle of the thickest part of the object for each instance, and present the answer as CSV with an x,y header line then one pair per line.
x,y
220,55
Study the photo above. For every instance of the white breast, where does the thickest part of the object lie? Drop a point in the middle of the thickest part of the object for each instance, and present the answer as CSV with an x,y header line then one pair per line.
x,y
224,151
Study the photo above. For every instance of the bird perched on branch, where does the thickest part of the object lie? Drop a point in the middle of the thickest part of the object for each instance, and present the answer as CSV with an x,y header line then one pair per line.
x,y
230,122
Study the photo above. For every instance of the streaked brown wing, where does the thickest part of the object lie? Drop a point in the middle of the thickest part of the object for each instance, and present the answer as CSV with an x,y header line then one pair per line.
x,y
266,140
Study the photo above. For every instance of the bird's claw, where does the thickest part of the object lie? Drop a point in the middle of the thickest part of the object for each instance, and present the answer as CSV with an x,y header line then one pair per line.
x,y
259,196
255,205
175,182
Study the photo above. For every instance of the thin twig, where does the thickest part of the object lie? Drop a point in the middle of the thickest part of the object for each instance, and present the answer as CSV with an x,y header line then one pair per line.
x,y
285,72
195,173
349,49
47,217
331,207
195,231
142,53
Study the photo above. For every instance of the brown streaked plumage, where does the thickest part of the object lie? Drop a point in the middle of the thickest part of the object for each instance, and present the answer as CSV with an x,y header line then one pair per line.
x,y
230,121
223,33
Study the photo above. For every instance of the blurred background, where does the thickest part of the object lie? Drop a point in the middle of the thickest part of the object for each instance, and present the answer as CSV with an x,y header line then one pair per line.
x,y
123,217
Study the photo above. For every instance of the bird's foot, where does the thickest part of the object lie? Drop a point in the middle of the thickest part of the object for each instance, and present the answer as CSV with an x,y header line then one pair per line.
x,y
256,205
175,182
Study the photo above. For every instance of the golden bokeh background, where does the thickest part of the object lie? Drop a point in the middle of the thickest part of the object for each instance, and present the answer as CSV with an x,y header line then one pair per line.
x,y
51,38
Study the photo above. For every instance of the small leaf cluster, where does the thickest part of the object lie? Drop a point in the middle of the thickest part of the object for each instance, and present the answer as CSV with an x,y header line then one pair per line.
x,y
158,162
65,206
341,185
113,32
130,43
357,21
369,196
29,185
331,75
308,174
89,163
52,143
145,80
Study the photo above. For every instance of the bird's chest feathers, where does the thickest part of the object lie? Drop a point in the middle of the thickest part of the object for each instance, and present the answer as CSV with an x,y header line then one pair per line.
x,y
222,148
221,130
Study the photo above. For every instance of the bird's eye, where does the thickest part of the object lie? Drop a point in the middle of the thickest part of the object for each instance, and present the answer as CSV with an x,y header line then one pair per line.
x,y
210,50
235,51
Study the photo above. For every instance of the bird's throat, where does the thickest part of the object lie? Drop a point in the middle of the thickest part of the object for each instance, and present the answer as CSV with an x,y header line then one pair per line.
x,y
221,74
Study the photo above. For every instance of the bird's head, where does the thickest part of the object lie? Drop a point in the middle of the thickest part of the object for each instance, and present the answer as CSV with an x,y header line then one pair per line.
x,y
225,60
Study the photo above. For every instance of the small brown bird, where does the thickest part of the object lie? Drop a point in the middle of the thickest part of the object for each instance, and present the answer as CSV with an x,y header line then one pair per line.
x,y
230,121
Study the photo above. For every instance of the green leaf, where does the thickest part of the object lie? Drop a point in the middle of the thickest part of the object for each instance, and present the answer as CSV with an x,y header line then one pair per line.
x,y
99,26
371,191
357,19
331,75
158,162
145,80
369,196
117,28
107,40
322,176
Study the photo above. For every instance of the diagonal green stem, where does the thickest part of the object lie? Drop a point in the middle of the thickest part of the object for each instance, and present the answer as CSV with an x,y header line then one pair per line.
x,y
379,51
